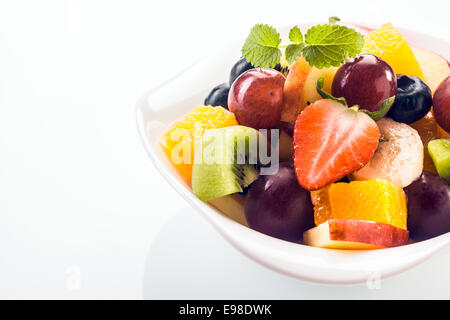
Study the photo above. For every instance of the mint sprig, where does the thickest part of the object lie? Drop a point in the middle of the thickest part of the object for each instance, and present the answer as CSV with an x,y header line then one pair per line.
x,y
295,35
261,47
331,45
333,20
294,50
322,46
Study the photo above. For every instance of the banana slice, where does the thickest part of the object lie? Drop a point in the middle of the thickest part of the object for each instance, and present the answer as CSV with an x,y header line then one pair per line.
x,y
399,157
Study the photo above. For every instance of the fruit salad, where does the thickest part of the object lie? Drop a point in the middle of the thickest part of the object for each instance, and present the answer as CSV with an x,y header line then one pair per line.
x,y
336,137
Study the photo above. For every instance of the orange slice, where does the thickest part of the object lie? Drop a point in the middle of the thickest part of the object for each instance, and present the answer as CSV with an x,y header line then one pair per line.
x,y
180,140
388,44
372,200
293,88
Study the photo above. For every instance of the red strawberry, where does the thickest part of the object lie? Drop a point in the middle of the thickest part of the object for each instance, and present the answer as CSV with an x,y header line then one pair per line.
x,y
331,141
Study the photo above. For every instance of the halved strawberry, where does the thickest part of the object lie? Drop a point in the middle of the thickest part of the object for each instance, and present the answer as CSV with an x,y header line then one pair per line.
x,y
332,140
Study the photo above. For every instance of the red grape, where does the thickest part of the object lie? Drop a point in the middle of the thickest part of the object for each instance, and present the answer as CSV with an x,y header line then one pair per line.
x,y
256,98
441,104
365,81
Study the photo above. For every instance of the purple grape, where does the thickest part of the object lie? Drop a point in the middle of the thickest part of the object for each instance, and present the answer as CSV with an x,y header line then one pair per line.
x,y
365,81
278,206
428,207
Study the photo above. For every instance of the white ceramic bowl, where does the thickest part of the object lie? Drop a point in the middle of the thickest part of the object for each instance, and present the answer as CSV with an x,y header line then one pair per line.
x,y
172,99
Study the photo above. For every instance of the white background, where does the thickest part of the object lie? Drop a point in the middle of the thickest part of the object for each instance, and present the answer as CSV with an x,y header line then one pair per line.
x,y
83,213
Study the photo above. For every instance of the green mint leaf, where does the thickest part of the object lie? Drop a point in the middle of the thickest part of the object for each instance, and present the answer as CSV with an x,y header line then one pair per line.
x,y
295,35
293,51
319,87
385,106
331,45
261,47
333,20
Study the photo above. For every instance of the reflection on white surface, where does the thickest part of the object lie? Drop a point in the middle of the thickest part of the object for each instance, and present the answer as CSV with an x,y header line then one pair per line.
x,y
188,259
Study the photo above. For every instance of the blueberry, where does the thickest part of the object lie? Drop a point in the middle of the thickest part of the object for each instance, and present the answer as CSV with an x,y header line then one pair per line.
x,y
239,68
413,100
218,96
344,180
243,65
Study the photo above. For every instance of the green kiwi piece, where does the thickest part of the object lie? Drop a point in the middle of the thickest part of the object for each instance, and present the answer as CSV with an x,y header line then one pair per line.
x,y
225,162
439,151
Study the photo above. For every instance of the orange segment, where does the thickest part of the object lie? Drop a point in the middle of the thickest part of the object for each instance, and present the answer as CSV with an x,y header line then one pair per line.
x,y
428,130
180,140
387,43
293,88
372,200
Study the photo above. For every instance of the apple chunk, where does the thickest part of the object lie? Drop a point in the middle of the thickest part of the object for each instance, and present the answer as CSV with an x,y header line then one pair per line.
x,y
355,235
434,67
231,206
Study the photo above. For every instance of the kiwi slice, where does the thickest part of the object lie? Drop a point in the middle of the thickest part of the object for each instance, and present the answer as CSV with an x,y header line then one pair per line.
x,y
439,151
225,162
